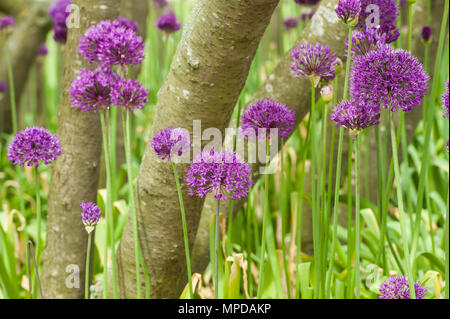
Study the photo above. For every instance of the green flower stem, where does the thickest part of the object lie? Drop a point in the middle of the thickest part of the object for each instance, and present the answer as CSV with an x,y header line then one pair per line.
x,y
304,152
400,209
447,258
39,222
185,234
339,158
109,210
315,212
283,225
410,16
428,129
216,252
112,129
324,210
230,229
350,236
402,127
382,257
132,204
329,192
265,213
11,90
357,150
86,279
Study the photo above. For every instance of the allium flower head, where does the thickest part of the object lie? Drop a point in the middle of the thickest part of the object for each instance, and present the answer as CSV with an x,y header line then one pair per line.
x,y
348,11
426,34
388,12
389,78
221,173
7,23
59,13
267,114
90,215
32,146
307,2
355,116
168,23
290,23
313,62
111,43
398,288
445,101
91,90
129,93
3,87
171,142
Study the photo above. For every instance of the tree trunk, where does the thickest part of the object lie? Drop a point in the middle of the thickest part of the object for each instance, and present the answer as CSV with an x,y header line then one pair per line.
x,y
208,71
75,173
33,24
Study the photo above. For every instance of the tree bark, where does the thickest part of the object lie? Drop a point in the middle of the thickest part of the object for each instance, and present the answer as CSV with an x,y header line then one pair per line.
x,y
33,24
13,7
207,74
75,173
283,87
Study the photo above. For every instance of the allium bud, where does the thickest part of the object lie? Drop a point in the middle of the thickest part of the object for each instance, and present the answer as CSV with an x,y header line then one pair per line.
x,y
327,93
3,87
427,35
339,66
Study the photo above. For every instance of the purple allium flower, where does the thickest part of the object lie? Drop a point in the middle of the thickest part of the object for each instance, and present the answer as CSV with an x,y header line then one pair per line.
x,y
348,11
129,24
313,61
90,215
7,22
307,2
111,43
171,142
355,116
290,23
445,101
129,93
426,34
59,14
267,114
388,12
159,3
3,87
168,23
389,78
398,288
43,50
223,173
311,14
91,90
34,145
364,41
